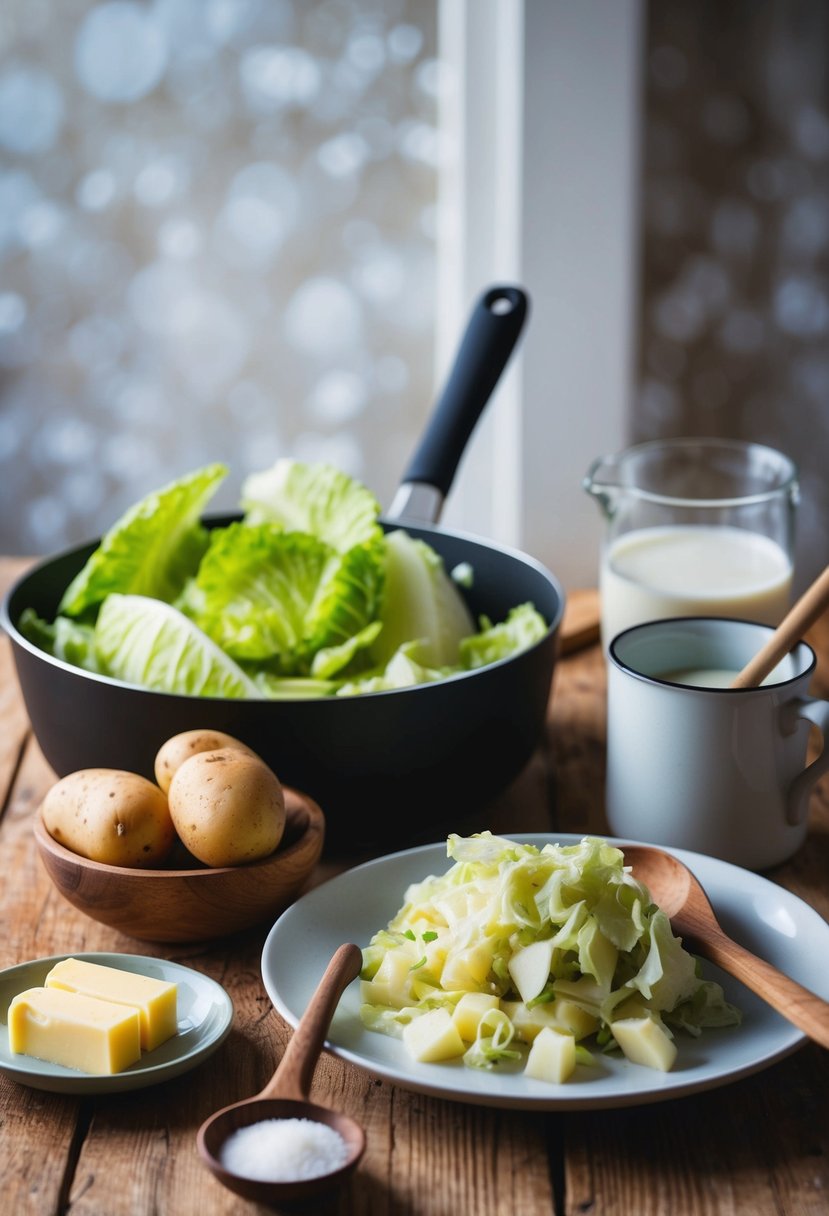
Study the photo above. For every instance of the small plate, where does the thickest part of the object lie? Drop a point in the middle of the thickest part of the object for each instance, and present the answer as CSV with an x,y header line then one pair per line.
x,y
767,919
205,1015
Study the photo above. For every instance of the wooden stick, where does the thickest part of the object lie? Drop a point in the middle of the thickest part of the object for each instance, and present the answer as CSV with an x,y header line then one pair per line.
x,y
788,633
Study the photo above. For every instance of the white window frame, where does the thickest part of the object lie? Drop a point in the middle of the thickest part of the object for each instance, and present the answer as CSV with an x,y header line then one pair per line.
x,y
542,124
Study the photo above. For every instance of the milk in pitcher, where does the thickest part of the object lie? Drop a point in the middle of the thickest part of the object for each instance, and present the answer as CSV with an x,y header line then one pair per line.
x,y
692,570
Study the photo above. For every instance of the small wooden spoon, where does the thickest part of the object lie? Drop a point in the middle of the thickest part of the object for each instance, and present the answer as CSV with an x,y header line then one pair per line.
x,y
788,633
286,1097
681,897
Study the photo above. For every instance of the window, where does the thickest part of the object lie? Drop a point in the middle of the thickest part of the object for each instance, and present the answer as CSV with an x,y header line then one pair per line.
x,y
217,241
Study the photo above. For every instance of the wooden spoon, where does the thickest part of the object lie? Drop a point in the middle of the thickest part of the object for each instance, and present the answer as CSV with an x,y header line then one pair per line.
x,y
788,633
681,897
286,1097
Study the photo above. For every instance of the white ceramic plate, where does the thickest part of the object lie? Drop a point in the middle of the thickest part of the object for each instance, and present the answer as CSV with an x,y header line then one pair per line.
x,y
205,1014
767,919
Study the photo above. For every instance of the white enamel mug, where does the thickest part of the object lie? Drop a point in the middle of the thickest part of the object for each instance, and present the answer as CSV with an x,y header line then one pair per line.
x,y
716,770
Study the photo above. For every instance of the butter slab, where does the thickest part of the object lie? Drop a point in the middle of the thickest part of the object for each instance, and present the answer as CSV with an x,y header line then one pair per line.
x,y
155,1000
76,1031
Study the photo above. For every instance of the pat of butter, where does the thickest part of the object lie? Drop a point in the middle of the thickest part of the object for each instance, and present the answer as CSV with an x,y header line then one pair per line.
x,y
77,1031
155,1000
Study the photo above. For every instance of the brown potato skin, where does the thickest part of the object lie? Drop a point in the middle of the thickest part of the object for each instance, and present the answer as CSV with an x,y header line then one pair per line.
x,y
110,816
172,754
227,807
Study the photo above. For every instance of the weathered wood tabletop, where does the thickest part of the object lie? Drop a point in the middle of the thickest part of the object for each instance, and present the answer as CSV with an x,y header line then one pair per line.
x,y
758,1146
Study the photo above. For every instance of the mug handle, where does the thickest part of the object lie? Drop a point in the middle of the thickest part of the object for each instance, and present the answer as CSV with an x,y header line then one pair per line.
x,y
817,712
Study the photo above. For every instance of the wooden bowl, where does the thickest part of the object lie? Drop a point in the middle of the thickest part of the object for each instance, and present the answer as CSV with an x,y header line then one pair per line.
x,y
192,903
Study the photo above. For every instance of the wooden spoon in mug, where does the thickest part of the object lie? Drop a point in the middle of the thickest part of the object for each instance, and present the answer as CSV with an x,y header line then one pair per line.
x,y
683,900
788,633
286,1097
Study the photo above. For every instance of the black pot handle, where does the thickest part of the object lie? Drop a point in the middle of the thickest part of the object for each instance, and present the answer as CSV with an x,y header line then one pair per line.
x,y
491,334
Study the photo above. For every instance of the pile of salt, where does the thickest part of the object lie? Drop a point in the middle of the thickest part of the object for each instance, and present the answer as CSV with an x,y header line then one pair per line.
x,y
284,1150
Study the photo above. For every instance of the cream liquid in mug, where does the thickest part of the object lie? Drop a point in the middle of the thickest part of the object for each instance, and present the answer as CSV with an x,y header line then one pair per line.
x,y
692,570
712,677
701,677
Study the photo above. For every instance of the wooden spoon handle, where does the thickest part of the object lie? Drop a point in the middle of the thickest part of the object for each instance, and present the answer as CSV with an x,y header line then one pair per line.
x,y
788,633
293,1077
806,1010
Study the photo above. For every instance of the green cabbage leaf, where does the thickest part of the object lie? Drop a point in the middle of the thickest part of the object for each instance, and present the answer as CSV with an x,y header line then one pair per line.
x,y
263,594
305,596
523,627
421,603
316,499
144,641
63,638
152,549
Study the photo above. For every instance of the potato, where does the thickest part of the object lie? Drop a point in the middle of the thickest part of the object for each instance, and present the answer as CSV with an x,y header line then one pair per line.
x,y
228,807
111,816
172,754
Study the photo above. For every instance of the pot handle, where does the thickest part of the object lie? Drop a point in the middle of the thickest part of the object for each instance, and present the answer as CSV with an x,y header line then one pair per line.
x,y
491,334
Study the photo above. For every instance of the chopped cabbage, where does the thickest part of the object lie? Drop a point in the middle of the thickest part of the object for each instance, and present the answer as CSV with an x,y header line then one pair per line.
x,y
482,926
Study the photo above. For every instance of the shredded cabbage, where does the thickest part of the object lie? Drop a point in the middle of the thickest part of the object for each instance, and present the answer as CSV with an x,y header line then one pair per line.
x,y
502,911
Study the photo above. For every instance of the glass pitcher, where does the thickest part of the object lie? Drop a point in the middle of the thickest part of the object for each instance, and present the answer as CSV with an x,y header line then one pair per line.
x,y
695,527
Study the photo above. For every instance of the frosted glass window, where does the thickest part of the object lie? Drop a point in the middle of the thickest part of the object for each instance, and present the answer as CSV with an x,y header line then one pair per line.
x,y
216,242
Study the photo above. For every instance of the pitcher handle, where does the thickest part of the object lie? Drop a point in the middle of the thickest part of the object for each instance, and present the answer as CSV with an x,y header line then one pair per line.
x,y
816,711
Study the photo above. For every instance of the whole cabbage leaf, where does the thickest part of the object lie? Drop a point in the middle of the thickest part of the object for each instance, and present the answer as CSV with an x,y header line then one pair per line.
x,y
305,596
152,549
420,604
144,641
313,498
268,595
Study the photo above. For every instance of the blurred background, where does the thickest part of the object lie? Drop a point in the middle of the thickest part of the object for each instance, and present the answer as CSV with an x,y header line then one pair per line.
x,y
225,229
734,317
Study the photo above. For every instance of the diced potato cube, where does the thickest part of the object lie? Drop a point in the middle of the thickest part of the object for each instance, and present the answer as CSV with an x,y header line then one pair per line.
x,y
634,1006
644,1042
552,1056
469,1010
465,970
435,953
559,1014
433,1036
390,985
530,968
528,1022
573,1018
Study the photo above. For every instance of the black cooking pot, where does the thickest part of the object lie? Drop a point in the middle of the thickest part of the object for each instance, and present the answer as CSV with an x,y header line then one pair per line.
x,y
391,767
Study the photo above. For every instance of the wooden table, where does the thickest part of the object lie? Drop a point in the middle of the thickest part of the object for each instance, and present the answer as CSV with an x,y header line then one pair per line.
x,y
759,1146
